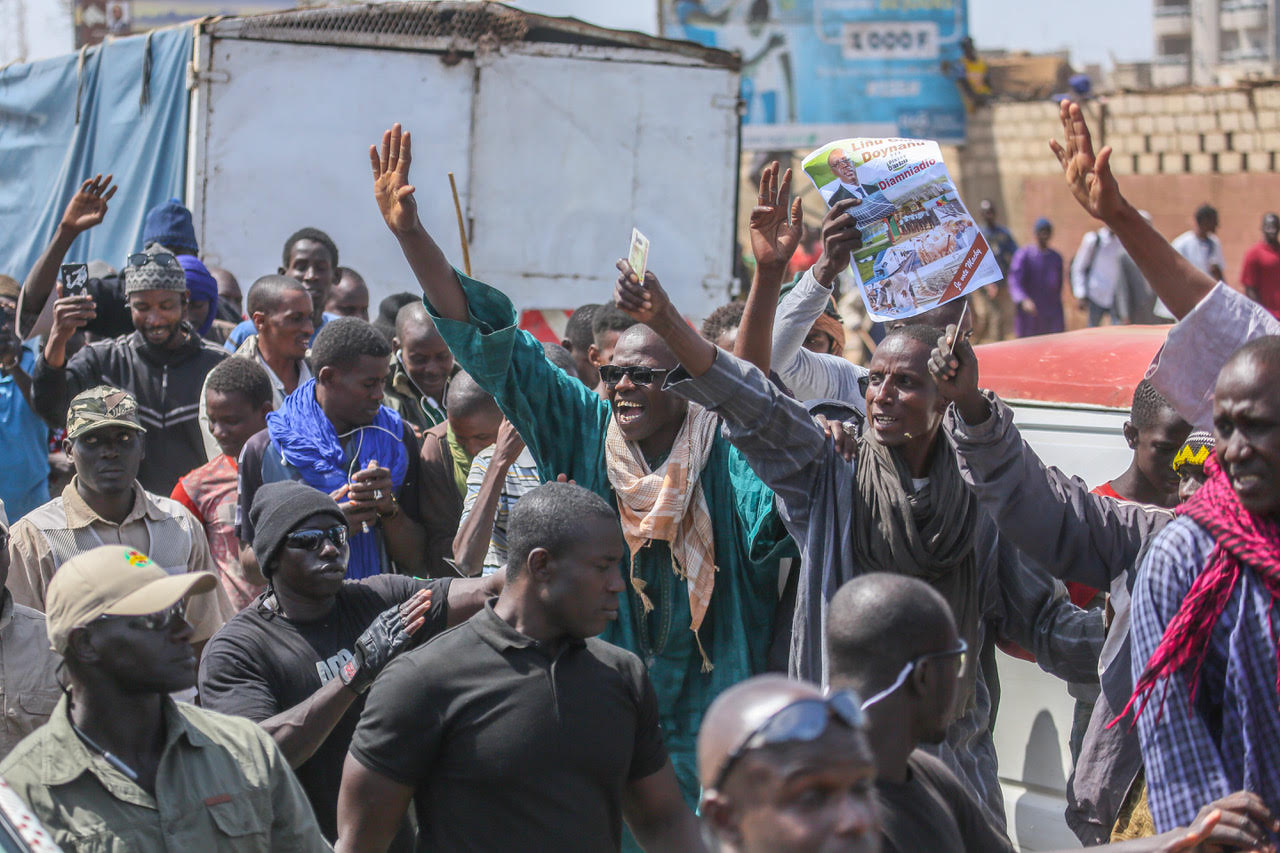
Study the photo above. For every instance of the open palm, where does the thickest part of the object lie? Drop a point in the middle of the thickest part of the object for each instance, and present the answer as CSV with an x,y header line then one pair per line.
x,y
1088,175
88,206
391,185
775,235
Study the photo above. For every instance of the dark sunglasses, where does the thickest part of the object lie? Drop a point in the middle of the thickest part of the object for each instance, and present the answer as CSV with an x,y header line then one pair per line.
x,y
803,721
158,621
160,259
313,538
611,374
961,653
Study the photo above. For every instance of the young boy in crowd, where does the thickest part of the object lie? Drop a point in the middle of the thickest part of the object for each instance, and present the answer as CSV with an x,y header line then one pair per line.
x,y
237,397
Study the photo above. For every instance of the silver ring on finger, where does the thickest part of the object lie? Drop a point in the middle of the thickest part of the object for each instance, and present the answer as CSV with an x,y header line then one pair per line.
x,y
377,494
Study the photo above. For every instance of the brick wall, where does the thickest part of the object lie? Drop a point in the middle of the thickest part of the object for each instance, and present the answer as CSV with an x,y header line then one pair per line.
x,y
1173,151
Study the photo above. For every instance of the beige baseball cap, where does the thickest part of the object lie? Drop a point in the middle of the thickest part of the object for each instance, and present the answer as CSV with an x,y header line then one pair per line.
x,y
112,580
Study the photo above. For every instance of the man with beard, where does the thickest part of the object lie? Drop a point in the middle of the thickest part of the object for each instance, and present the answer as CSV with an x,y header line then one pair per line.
x,y
162,364
702,533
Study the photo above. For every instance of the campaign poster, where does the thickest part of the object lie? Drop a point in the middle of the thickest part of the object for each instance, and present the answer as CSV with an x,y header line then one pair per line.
x,y
920,246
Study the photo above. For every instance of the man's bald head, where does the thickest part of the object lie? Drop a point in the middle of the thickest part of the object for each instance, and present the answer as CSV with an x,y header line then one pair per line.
x,y
878,622
738,712
808,789
640,340
265,293
413,322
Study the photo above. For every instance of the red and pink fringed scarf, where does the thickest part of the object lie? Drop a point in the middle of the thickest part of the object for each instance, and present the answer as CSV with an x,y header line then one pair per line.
x,y
1242,539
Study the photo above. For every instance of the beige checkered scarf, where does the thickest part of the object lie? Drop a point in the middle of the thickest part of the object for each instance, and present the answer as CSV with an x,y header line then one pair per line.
x,y
668,505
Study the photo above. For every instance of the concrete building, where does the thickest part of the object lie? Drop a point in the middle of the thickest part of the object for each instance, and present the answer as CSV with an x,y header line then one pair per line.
x,y
1214,42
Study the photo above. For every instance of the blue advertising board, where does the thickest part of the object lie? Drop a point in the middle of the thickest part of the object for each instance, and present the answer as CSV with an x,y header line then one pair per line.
x,y
817,70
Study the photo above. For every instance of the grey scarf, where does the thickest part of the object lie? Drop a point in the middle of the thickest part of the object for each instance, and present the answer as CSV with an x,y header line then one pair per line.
x,y
927,534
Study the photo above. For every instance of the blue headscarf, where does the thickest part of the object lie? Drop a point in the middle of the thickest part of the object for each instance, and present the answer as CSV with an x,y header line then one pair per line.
x,y
308,442
202,287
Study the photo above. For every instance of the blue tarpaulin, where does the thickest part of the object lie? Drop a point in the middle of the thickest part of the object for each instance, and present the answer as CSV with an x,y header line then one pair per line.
x,y
121,108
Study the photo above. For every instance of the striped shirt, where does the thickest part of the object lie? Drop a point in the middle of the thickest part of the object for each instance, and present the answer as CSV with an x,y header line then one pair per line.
x,y
522,477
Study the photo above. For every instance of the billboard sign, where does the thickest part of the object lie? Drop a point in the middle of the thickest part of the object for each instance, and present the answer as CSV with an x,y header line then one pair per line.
x,y
817,70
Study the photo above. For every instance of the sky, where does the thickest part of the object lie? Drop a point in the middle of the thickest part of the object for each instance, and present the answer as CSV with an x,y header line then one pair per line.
x,y
1095,30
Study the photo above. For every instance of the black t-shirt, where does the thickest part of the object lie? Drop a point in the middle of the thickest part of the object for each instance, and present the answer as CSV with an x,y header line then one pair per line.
x,y
933,811
262,663
508,747
259,466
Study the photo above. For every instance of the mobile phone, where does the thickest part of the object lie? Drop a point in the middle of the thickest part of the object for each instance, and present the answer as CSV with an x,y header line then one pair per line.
x,y
75,279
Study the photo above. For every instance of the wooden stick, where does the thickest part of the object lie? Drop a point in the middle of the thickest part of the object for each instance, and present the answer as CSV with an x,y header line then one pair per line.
x,y
462,231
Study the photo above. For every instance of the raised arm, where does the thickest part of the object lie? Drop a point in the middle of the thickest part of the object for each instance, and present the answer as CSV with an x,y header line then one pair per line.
x,y
85,210
780,441
1054,519
475,533
399,209
1174,279
774,238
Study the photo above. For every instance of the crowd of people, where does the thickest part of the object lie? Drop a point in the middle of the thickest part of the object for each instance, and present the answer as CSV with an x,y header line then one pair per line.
x,y
427,583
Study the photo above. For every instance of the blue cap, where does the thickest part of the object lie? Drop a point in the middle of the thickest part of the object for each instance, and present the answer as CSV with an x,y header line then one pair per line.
x,y
170,225
1043,223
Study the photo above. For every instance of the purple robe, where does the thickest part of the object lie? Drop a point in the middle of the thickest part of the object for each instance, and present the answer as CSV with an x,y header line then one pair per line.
x,y
1036,274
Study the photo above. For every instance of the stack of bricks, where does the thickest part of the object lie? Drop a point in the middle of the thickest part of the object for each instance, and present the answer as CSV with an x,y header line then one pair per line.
x,y
1173,151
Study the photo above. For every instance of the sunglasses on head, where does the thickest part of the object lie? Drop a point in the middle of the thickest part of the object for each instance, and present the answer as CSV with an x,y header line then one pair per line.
x,y
611,374
312,539
802,721
157,621
160,259
961,653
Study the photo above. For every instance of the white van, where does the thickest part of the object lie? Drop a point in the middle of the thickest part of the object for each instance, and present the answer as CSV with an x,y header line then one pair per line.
x,y
1070,394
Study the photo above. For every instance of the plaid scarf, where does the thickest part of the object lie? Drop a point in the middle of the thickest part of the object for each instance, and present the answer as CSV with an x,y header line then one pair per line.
x,y
1241,539
668,505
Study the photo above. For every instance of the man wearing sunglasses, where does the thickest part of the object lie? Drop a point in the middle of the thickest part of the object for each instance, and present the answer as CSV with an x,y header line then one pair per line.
x,y
120,765
902,507
911,684
703,534
299,658
786,770
163,364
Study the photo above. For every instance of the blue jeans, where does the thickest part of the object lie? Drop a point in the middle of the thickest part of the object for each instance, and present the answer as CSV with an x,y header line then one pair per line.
x,y
1096,313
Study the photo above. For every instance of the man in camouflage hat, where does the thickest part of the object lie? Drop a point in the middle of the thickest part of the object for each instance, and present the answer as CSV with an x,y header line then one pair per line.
x,y
104,505
163,363
120,765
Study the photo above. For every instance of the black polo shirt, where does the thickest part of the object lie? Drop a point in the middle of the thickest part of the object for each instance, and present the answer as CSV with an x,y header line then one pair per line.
x,y
506,745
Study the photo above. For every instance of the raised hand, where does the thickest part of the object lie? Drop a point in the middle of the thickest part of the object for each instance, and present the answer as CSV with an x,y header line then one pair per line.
x,y
954,366
1088,175
509,445
645,303
391,185
89,205
840,239
775,236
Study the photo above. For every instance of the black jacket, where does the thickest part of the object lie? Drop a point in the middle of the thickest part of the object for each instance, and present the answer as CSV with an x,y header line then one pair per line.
x,y
166,383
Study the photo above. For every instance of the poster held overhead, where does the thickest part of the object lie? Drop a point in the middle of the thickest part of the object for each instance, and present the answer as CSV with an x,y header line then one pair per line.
x,y
920,247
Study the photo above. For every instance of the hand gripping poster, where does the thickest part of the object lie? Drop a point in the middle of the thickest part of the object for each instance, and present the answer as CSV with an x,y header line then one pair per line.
x,y
920,246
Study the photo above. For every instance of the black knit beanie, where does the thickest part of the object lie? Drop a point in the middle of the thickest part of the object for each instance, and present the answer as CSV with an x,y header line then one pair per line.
x,y
277,509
